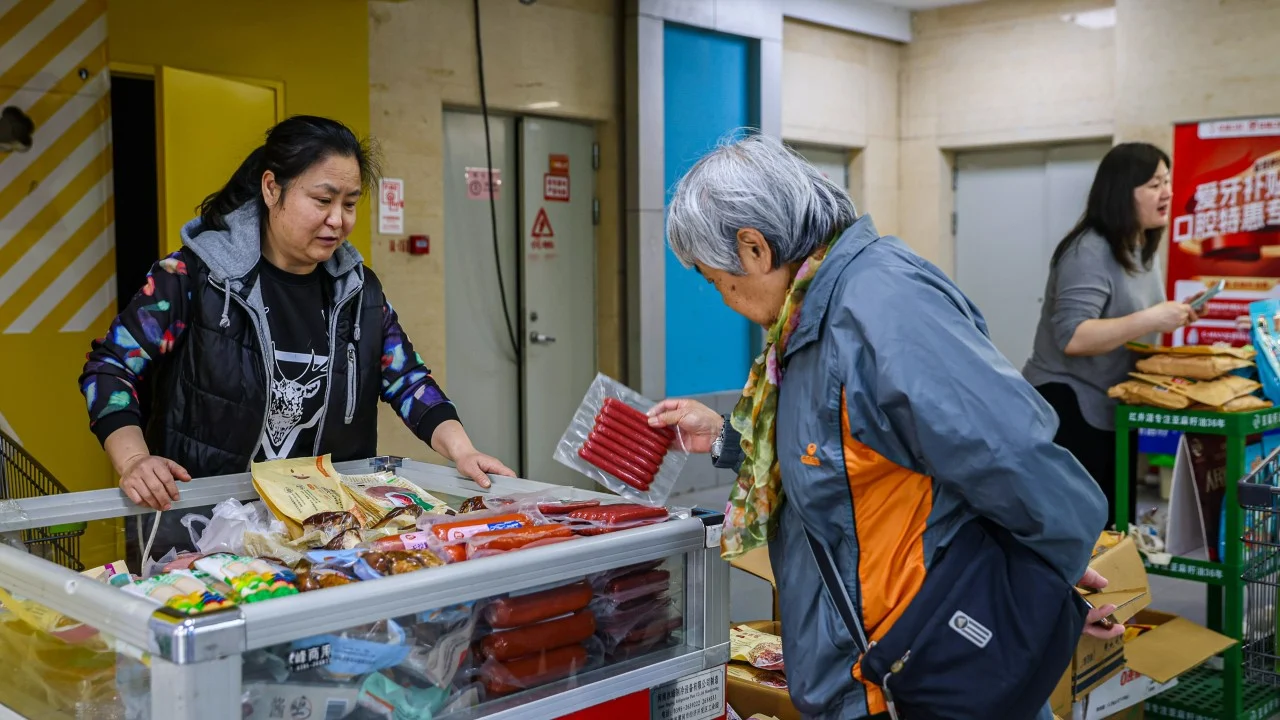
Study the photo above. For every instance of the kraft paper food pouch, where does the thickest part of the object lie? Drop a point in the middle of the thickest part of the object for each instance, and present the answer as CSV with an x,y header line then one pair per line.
x,y
1209,392
250,579
1244,403
1196,367
296,489
380,495
182,592
1135,392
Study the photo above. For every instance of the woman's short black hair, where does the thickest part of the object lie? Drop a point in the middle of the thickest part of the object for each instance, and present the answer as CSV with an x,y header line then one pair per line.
x,y
1111,211
292,146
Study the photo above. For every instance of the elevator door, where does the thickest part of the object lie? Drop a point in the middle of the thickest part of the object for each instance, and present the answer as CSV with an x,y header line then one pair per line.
x,y
517,401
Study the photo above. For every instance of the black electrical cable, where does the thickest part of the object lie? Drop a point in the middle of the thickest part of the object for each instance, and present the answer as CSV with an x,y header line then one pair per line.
x,y
493,204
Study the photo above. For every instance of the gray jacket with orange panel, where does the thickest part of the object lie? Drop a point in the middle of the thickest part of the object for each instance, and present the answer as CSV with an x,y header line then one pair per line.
x,y
898,422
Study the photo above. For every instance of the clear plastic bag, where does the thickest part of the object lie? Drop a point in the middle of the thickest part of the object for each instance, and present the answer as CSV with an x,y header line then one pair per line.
x,y
441,639
224,532
621,585
540,668
610,441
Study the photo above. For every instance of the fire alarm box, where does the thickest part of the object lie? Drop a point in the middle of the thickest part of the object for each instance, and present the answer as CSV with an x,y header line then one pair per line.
x,y
419,244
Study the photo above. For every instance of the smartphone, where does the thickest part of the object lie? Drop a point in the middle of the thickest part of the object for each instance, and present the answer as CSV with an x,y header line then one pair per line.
x,y
1214,289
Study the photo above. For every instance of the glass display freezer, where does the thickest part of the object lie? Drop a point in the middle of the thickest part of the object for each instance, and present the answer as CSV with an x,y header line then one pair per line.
x,y
316,654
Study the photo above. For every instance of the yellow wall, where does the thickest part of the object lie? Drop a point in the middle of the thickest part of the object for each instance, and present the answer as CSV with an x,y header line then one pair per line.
x,y
421,60
841,89
57,264
317,48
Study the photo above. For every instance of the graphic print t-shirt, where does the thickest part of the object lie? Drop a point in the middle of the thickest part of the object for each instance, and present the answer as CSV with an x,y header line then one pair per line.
x,y
298,317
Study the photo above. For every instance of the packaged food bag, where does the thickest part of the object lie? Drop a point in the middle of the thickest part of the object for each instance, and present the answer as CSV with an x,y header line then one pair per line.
x,y
1137,392
385,499
610,441
296,489
1215,393
1196,367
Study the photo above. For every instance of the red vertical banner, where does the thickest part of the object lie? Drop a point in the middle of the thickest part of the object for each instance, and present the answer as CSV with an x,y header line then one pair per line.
x,y
1225,222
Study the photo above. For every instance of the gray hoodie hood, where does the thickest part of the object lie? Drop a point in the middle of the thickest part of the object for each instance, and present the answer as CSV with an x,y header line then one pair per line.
x,y
233,253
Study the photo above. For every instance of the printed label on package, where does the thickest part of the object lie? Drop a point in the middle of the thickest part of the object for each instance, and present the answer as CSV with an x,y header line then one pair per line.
x,y
695,697
309,658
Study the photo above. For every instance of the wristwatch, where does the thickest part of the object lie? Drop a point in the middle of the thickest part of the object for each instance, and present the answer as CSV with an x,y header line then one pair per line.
x,y
717,445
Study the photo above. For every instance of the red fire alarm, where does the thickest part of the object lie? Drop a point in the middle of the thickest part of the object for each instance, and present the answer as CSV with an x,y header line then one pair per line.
x,y
419,244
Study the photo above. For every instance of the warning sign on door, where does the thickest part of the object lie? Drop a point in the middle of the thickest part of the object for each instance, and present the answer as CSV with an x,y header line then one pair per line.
x,y
542,232
555,188
480,184
694,697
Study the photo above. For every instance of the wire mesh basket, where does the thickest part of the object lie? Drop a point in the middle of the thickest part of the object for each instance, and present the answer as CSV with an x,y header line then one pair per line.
x,y
21,476
1260,500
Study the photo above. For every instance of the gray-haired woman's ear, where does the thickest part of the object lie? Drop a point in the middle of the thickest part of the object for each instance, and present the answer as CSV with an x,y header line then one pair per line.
x,y
754,182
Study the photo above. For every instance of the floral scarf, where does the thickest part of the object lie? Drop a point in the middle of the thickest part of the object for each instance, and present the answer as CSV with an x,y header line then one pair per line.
x,y
750,520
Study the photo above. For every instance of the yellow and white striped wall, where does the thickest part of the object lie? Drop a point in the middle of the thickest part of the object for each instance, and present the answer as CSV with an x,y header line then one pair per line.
x,y
57,250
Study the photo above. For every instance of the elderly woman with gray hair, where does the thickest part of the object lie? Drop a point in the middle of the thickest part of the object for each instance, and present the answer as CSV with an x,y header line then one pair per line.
x,y
879,428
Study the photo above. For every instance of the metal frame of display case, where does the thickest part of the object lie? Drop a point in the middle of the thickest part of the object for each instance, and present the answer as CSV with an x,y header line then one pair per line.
x,y
196,661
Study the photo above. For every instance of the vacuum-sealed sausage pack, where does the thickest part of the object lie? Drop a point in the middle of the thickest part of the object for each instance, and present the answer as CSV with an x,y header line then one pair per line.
x,y
610,441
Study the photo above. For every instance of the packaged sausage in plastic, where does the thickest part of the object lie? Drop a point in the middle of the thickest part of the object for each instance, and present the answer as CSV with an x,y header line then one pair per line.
x,y
643,583
506,645
447,536
648,626
601,580
496,542
540,668
532,607
613,517
610,441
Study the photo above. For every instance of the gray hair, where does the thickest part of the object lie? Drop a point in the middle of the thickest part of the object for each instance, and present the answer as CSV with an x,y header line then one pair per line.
x,y
754,182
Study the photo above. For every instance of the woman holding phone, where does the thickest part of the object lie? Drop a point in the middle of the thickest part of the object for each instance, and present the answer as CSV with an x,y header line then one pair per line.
x,y
1105,289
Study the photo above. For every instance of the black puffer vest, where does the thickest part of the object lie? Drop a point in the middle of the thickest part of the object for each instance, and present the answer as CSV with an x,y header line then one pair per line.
x,y
210,402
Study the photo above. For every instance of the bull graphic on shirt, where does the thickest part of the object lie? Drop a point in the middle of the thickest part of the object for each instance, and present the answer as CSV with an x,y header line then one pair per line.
x,y
288,403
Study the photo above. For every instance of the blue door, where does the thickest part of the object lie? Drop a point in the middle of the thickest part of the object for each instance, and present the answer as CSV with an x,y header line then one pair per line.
x,y
709,82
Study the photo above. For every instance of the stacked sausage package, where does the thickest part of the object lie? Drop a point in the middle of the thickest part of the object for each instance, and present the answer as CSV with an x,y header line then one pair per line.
x,y
610,441
636,609
537,637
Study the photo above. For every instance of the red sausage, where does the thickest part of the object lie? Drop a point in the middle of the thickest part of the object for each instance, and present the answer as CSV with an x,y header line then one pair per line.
x,y
654,630
535,670
565,507
622,460
637,432
649,582
595,459
535,607
623,439
628,410
549,635
516,538
607,443
620,513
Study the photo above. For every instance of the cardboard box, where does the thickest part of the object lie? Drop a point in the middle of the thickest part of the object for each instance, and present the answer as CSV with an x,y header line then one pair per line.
x,y
745,697
1094,685
756,563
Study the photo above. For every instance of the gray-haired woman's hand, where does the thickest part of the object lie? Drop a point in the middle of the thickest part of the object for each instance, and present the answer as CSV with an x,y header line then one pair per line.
x,y
698,425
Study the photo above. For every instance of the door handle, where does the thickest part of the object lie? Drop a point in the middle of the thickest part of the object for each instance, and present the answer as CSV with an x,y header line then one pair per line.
x,y
538,338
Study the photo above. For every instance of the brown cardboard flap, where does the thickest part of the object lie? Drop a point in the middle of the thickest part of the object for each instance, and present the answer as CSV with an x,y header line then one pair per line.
x,y
756,562
1127,602
1173,648
1126,580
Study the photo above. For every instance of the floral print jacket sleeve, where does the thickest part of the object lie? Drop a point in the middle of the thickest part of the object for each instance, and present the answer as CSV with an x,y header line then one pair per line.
x,y
407,384
121,361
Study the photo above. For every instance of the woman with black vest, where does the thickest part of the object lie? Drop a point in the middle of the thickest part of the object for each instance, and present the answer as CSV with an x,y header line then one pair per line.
x,y
265,336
